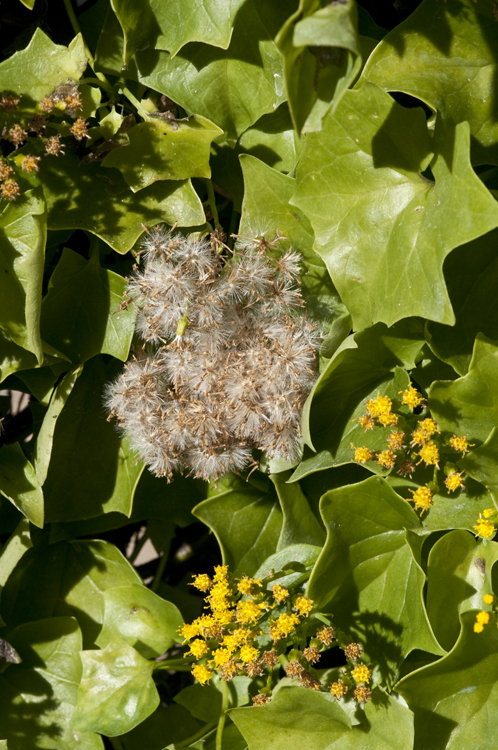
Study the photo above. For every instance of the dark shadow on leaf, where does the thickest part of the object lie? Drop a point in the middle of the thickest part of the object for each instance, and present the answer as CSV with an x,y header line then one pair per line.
x,y
380,637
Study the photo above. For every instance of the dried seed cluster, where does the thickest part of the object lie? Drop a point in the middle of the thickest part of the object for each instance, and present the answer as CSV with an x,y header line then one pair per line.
x,y
230,356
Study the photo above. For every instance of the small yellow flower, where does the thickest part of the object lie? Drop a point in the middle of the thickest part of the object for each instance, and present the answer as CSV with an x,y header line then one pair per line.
x,y
201,673
246,584
249,611
325,635
198,648
287,623
362,455
201,582
386,459
376,407
220,657
478,628
220,573
429,426
388,419
361,673
362,693
429,454
454,481
248,653
395,440
191,630
366,422
489,512
488,598
411,397
338,689
460,444
280,593
484,528
303,605
422,497
483,617
30,163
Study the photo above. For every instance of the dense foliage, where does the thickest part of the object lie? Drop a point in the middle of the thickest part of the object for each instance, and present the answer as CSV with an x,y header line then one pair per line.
x,y
331,180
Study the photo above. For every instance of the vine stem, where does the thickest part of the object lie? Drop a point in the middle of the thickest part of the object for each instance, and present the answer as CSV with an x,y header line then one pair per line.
x,y
179,665
141,111
91,60
159,572
212,203
222,719
193,737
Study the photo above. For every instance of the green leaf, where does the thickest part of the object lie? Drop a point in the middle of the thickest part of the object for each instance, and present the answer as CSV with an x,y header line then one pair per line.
x,y
246,521
14,548
44,440
87,487
168,723
471,274
298,718
23,233
455,700
359,181
81,314
445,55
203,704
362,365
116,691
19,484
272,139
38,696
300,525
232,88
321,52
39,68
468,406
66,579
458,575
98,200
169,27
482,464
369,574
141,618
162,150
265,209
304,554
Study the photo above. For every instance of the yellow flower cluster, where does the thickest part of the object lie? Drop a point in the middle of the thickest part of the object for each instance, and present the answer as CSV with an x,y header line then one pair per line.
x,y
483,617
231,638
485,528
415,436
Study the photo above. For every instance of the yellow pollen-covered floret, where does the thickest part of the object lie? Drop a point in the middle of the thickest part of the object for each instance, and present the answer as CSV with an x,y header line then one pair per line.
x,y
460,444
388,419
411,397
429,454
366,422
484,528
246,584
198,648
362,455
303,605
286,623
387,459
338,689
422,497
201,582
376,407
280,593
395,440
361,673
191,630
488,598
249,611
248,653
201,673
454,481
220,657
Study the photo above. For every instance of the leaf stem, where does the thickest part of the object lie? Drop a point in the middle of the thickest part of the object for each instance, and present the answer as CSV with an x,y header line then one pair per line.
x,y
159,572
141,111
196,736
91,60
175,664
222,719
212,203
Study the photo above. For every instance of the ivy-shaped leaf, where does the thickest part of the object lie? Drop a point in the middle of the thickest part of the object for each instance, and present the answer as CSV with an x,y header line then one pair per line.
x,y
82,314
215,83
18,482
116,691
445,55
169,27
246,520
469,406
455,700
87,488
382,228
98,200
369,575
161,150
69,580
362,365
458,576
141,618
39,694
321,52
23,234
300,526
39,68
